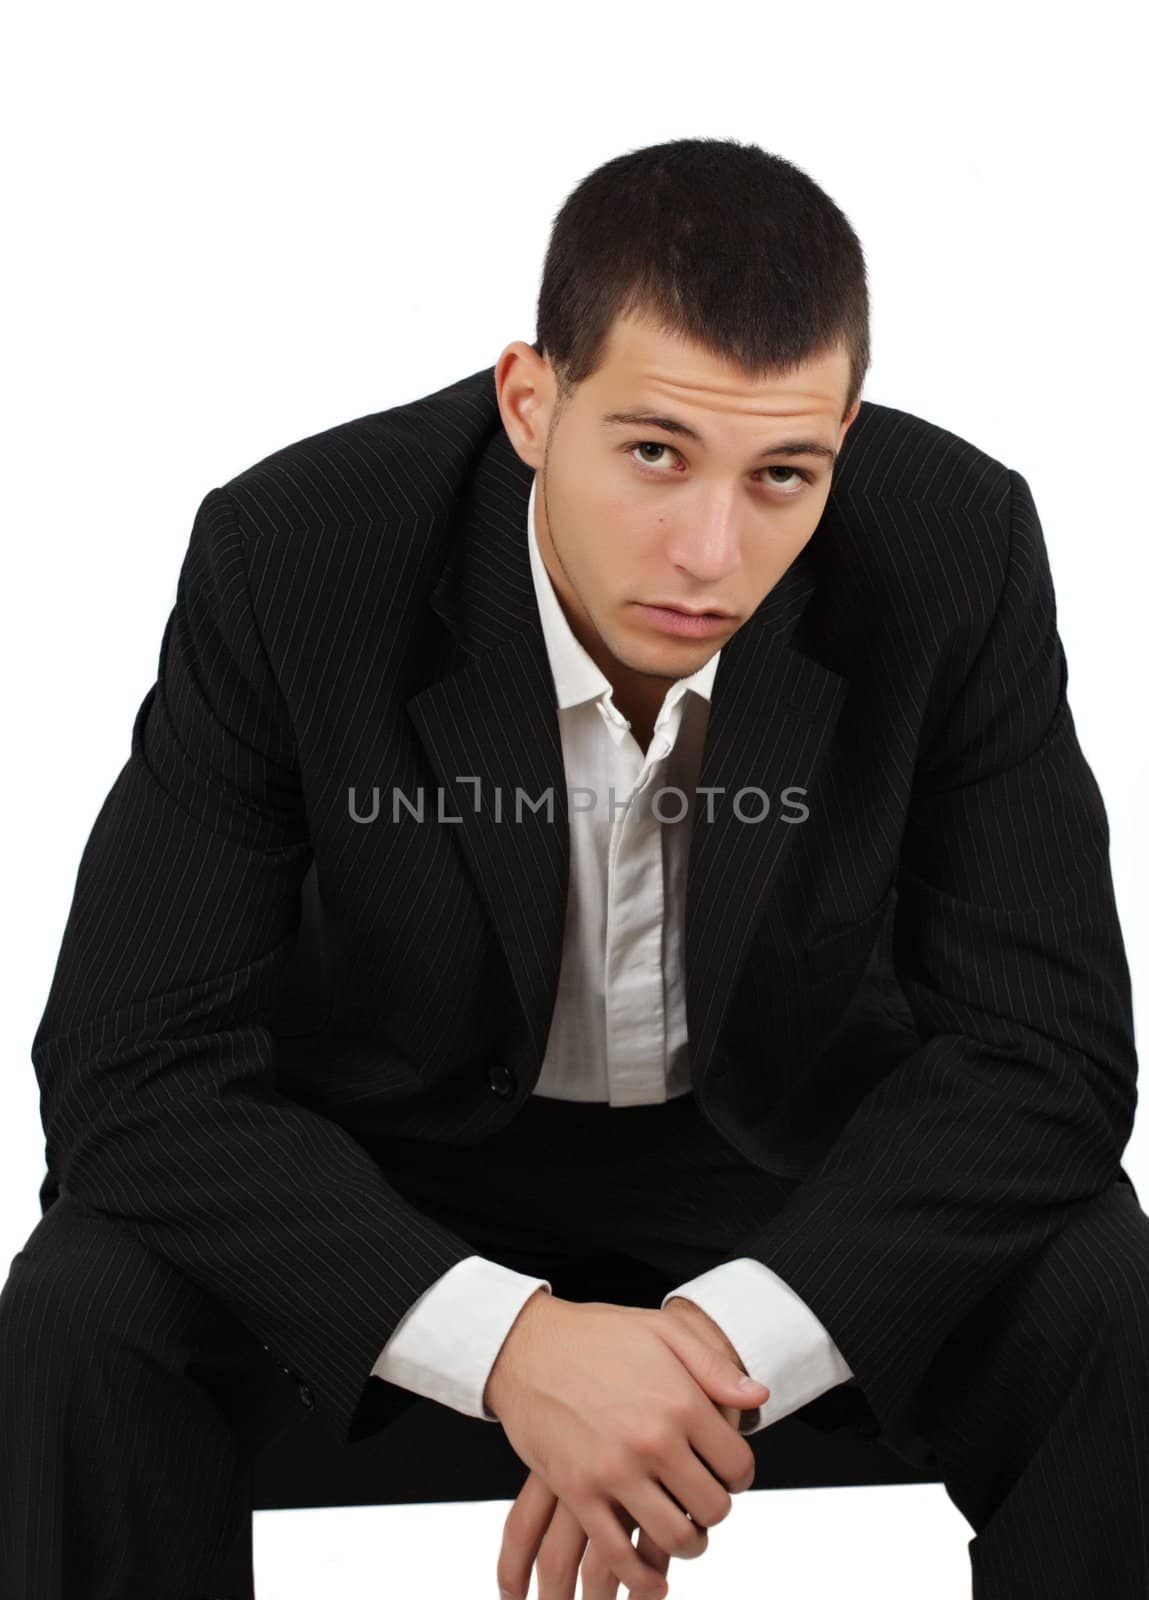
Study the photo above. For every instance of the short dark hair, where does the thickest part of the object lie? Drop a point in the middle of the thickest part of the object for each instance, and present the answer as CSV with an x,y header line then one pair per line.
x,y
718,241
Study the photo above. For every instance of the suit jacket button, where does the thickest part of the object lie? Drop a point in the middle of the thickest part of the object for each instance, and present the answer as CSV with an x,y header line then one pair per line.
x,y
306,1396
501,1079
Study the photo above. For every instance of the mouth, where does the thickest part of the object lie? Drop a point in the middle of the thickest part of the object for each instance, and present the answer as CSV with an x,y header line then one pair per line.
x,y
686,611
678,620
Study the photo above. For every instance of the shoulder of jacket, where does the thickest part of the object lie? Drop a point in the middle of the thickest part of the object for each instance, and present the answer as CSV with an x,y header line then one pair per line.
x,y
386,472
892,457
918,526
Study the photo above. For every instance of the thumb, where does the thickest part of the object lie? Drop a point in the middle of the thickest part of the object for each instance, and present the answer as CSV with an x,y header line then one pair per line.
x,y
722,1379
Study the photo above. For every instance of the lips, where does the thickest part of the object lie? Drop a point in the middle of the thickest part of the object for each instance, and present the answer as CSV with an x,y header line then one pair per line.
x,y
691,625
684,611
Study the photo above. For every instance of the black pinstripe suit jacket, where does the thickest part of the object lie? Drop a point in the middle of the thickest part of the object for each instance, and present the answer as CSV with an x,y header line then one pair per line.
x,y
918,997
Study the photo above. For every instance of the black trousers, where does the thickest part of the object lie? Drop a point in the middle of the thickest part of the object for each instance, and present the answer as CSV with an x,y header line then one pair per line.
x,y
132,1403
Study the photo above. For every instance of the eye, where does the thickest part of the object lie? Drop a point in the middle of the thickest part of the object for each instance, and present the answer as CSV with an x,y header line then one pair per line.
x,y
648,444
790,473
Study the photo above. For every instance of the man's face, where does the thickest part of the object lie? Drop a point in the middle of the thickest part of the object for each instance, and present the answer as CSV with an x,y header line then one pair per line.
x,y
629,515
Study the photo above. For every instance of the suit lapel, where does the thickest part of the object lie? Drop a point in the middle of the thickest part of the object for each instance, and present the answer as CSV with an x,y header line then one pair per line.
x,y
490,731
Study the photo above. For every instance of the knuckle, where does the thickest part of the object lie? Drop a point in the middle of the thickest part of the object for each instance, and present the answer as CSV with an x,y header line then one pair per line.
x,y
580,1482
612,1469
679,1541
724,1506
680,1412
687,1542
507,1575
651,1442
741,1475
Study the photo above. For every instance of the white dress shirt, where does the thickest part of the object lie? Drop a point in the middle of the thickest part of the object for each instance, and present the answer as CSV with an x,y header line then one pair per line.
x,y
618,1032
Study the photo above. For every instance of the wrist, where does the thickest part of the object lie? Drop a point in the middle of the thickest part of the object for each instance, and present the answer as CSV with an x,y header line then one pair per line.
x,y
503,1369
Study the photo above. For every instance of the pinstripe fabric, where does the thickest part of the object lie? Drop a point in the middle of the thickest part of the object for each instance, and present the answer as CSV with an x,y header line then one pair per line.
x,y
355,614
121,1479
130,1401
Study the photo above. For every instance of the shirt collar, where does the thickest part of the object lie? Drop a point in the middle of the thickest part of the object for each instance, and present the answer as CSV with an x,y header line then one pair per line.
x,y
577,677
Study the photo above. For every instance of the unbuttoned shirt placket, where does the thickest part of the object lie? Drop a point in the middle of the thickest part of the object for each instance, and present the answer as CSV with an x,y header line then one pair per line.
x,y
637,963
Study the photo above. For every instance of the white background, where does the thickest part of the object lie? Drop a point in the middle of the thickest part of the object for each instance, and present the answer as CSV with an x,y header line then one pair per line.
x,y
236,225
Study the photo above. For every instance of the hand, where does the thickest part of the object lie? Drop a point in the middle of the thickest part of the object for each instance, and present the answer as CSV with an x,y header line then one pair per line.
x,y
549,1536
542,1533
543,1526
706,1328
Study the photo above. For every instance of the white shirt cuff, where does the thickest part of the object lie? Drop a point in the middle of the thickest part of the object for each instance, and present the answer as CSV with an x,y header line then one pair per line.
x,y
778,1338
448,1341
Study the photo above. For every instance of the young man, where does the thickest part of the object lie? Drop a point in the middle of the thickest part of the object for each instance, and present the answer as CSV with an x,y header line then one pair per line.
x,y
668,755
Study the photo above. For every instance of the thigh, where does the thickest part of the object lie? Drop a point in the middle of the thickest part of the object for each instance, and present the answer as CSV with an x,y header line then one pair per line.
x,y
1090,1277
83,1284
1079,1305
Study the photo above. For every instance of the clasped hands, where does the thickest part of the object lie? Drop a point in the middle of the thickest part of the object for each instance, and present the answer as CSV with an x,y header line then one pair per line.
x,y
671,1477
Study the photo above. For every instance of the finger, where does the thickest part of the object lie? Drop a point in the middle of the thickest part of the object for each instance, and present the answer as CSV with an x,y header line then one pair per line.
x,y
600,1582
718,1442
667,1523
696,1491
600,1518
523,1532
559,1555
735,1419
651,1553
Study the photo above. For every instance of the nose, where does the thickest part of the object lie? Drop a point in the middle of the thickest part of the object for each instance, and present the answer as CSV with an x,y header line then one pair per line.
x,y
707,548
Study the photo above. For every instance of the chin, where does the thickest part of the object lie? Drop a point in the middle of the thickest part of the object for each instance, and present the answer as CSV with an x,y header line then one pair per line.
x,y
667,657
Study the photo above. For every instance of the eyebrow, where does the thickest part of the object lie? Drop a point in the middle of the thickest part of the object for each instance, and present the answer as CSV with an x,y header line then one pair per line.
x,y
647,419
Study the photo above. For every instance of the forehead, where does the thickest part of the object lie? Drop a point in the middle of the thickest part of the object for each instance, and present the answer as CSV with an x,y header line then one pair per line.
x,y
646,368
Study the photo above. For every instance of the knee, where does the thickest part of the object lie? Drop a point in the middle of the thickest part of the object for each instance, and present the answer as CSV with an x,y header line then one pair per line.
x,y
79,1282
1121,1276
1101,1268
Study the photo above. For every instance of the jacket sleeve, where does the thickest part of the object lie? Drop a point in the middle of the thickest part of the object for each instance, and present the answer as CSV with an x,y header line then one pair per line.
x,y
156,1066
1016,1103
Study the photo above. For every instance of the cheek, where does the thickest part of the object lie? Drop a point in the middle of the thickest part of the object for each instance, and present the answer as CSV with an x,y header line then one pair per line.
x,y
613,562
809,515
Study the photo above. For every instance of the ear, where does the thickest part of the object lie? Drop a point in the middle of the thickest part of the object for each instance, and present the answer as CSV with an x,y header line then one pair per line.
x,y
524,390
848,419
